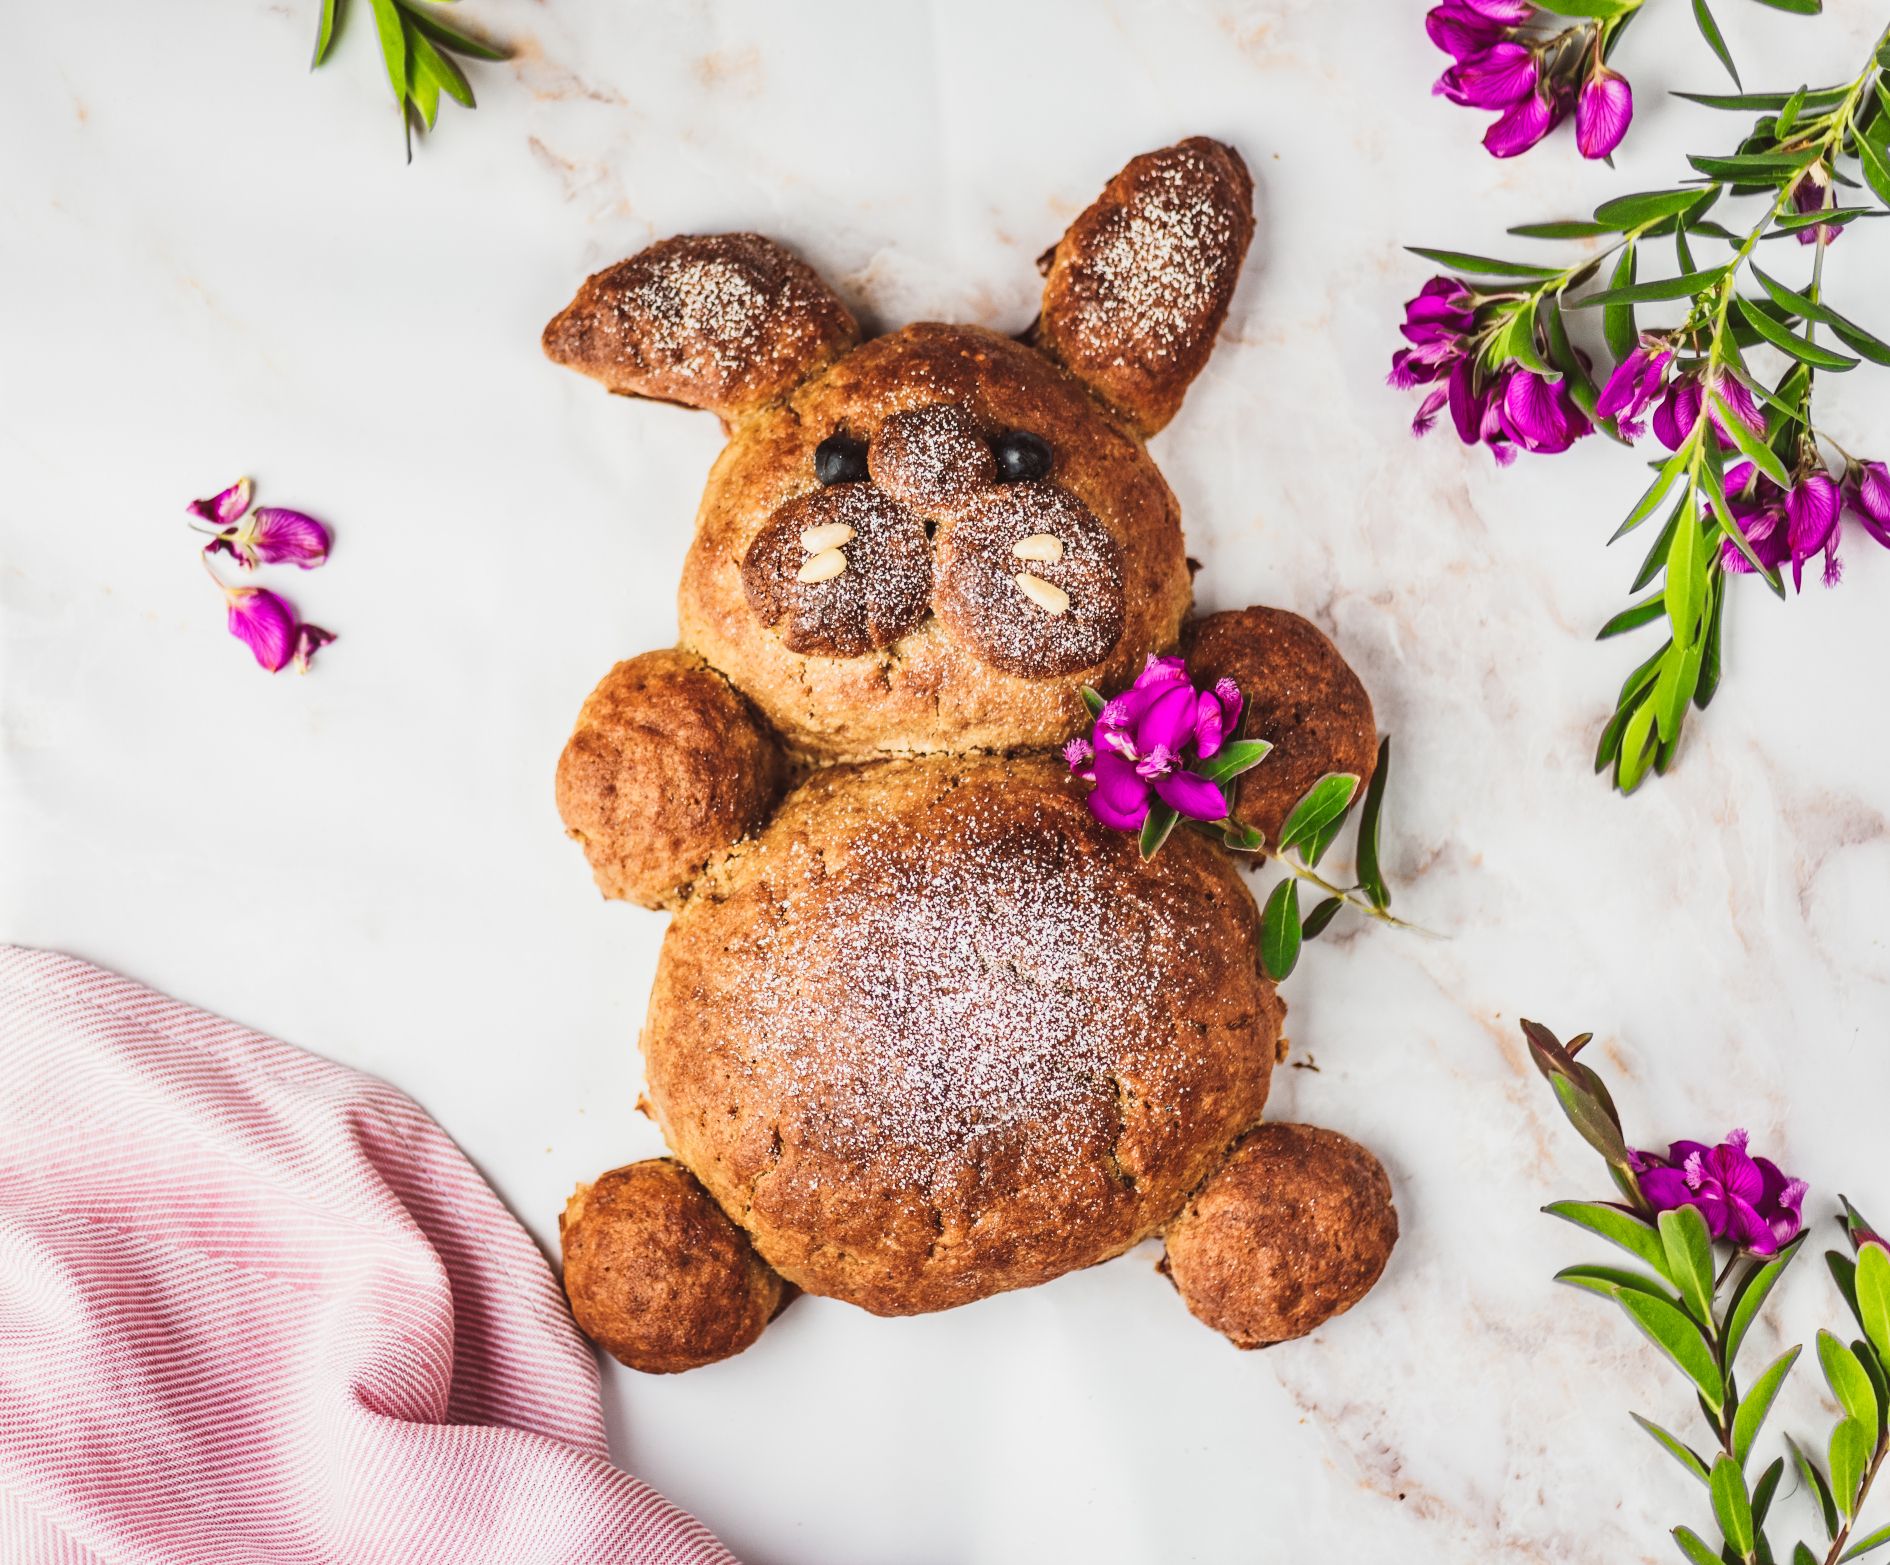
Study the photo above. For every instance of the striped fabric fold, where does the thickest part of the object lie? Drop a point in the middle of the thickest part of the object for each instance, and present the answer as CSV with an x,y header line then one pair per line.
x,y
255,1306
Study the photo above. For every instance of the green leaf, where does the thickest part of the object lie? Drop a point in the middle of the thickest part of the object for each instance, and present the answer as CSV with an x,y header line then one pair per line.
x,y
1671,469
1689,1248
1579,229
1633,617
1315,849
1789,342
1832,217
1617,320
1712,481
1748,102
1876,168
393,36
1482,265
1693,1548
1844,1274
1796,7
456,39
1280,930
1243,839
1684,1454
1802,1555
1750,168
1757,1402
1605,1279
1851,1446
324,32
439,72
1815,1481
1750,1295
1685,286
1370,876
1321,915
1678,1336
1093,699
1849,1382
1751,447
1647,206
1685,589
1792,302
1873,1297
1709,30
1620,1228
1732,1506
1243,755
1601,10
1591,1119
1637,748
1707,685
1325,801
1155,829
1860,341
1864,1545
1762,1493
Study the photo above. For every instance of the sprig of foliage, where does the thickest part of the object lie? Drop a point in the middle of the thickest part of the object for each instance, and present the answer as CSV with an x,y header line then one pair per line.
x,y
1745,487
1696,1299
418,47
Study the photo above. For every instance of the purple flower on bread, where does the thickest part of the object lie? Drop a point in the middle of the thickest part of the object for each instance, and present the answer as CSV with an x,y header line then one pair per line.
x,y
1745,1200
1148,742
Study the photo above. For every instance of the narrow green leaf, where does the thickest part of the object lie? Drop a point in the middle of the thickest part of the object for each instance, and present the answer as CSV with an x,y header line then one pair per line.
x,y
1657,551
1831,217
1685,589
1860,341
1693,1548
1482,265
1749,168
1280,930
1314,848
1876,168
1323,802
1802,1555
1796,7
1750,102
1789,342
1605,1279
1816,1482
1155,829
434,67
1243,839
1732,1506
1864,1545
1751,447
1092,698
1577,229
1633,617
1689,1247
1591,1120
1757,1402
1243,755
454,38
1321,915
1762,1493
1601,10
1849,1382
1873,1297
1851,1446
1671,469
1637,748
393,36
1678,1336
1684,1454
1685,286
1370,876
1617,320
1707,685
1647,206
1620,1228
1844,1273
1709,30
324,32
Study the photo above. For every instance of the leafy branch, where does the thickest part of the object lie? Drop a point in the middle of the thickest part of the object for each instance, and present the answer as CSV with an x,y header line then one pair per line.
x,y
418,47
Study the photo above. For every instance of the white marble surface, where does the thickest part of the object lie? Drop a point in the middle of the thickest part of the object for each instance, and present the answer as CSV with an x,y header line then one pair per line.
x,y
216,263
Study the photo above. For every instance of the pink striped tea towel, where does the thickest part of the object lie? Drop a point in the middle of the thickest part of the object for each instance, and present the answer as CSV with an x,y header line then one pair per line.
x,y
257,1307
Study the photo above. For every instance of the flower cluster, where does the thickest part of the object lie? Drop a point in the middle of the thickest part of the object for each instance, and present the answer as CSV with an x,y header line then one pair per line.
x,y
262,620
1453,327
1146,742
1744,1199
1503,59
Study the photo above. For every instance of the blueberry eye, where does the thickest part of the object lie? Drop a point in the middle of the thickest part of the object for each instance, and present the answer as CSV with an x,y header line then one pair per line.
x,y
1021,458
840,459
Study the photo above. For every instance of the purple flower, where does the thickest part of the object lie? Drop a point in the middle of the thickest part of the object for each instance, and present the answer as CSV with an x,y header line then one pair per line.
x,y
1680,410
225,509
1462,28
1602,112
1811,513
1745,1200
1813,193
1145,739
263,623
1758,511
1867,493
1540,414
1527,122
1634,386
1501,75
274,536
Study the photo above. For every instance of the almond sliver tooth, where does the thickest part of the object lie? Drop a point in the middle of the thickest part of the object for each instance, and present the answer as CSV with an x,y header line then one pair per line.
x,y
824,566
1039,546
1051,599
829,535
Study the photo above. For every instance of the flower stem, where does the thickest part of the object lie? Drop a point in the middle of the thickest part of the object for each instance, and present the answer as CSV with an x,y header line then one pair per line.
x,y
1344,893
1863,1493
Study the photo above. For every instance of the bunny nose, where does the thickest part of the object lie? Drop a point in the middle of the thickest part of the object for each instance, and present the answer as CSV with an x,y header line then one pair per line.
x,y
931,459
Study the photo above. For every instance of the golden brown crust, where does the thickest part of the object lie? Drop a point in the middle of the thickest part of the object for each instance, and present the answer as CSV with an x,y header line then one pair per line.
x,y
1292,1229
929,691
667,767
1301,697
720,321
1139,286
937,1033
657,1276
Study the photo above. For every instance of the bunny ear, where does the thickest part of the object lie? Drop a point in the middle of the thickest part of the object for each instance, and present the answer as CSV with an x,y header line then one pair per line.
x,y
727,322
1138,287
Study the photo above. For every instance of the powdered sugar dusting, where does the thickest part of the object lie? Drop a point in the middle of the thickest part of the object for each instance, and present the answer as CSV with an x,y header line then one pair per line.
x,y
1158,264
978,988
706,309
